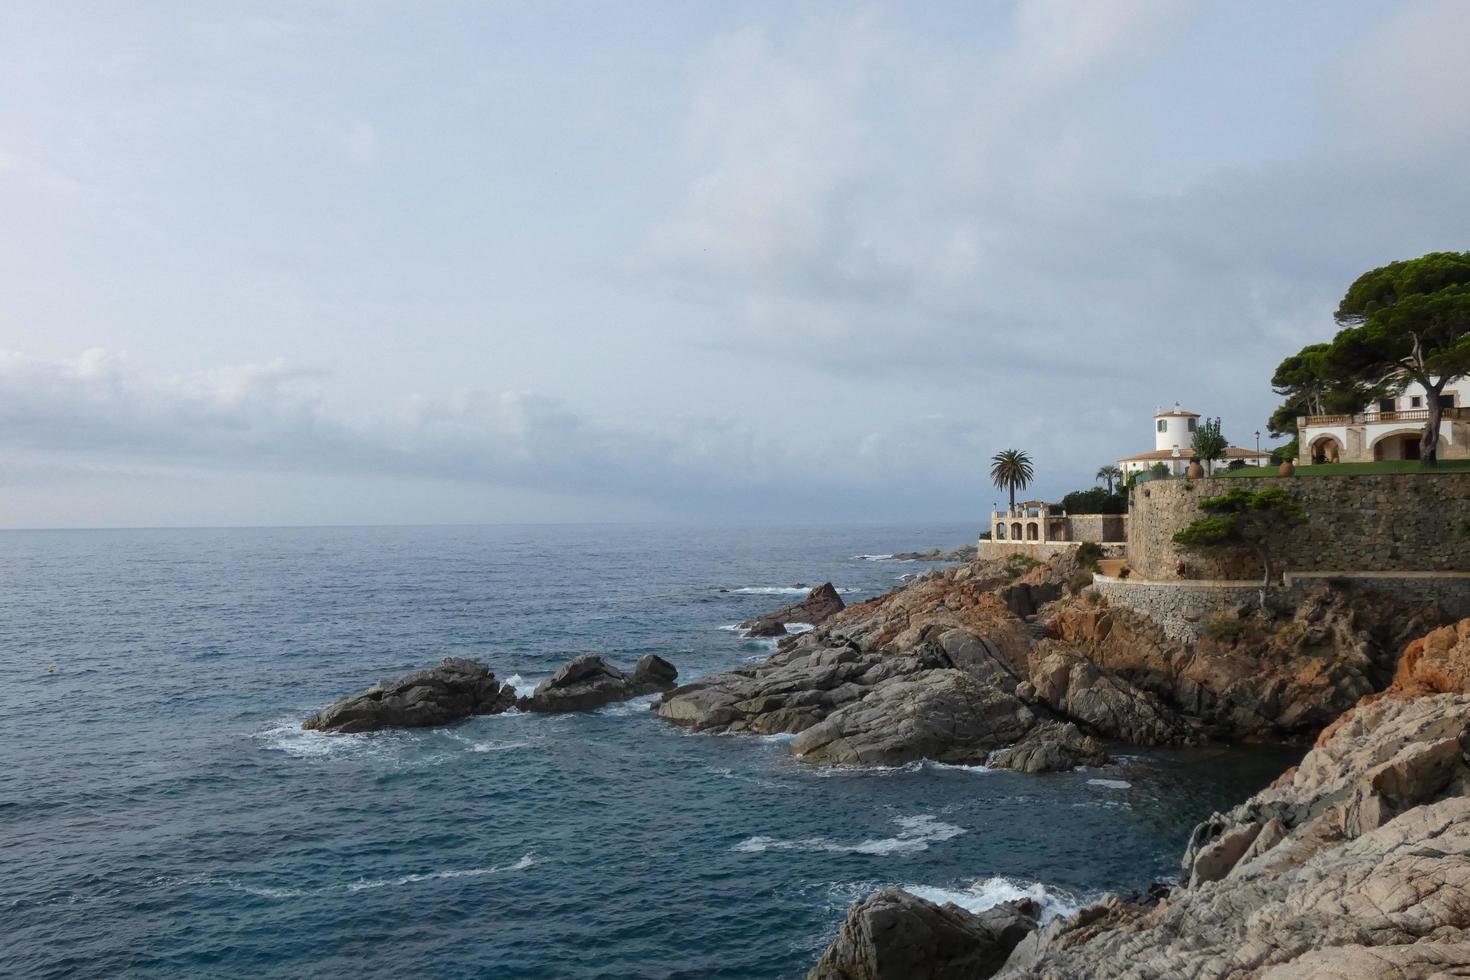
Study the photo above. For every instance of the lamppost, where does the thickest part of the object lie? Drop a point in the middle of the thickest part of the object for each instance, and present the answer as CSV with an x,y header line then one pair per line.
x,y
1258,447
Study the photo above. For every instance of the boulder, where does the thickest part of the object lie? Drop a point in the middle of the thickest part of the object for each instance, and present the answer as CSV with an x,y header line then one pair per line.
x,y
788,692
892,935
1050,747
455,689
589,682
945,714
653,673
819,605
1109,705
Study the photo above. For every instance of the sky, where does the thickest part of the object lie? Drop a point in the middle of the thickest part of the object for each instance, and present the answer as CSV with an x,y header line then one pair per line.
x,y
372,262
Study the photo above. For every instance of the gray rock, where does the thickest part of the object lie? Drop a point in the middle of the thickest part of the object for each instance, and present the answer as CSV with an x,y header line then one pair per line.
x,y
1050,747
892,935
455,689
819,605
654,673
589,682
946,715
1107,704
788,692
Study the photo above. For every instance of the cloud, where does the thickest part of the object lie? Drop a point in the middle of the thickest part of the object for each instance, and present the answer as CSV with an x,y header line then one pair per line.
x,y
101,409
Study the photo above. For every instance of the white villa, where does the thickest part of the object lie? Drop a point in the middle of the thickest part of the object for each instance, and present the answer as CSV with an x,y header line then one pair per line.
x,y
1173,433
1389,428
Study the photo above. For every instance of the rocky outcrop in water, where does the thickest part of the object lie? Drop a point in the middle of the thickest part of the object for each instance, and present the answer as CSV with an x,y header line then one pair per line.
x,y
1353,864
820,604
589,682
964,552
455,689
1050,747
892,935
946,715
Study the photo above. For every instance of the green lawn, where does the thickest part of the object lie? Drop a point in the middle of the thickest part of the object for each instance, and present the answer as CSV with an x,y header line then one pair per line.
x,y
1354,469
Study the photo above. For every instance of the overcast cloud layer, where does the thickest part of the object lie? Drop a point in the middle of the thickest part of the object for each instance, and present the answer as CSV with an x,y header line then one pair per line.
x,y
340,262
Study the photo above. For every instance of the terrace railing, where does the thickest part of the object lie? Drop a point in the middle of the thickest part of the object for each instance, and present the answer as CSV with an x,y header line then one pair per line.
x,y
1369,418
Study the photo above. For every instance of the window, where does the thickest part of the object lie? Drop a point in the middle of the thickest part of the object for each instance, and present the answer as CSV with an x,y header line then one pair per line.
x,y
1415,401
1191,424
1163,426
1386,404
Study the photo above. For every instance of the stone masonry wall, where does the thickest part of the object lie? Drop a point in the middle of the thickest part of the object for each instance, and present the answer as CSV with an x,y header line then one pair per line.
x,y
1378,523
1097,527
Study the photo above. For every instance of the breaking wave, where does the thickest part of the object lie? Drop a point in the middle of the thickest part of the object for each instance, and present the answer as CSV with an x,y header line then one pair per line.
x,y
992,891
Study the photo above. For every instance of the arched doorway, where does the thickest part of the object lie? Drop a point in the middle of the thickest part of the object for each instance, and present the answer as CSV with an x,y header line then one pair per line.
x,y
1402,444
1016,533
1325,449
1031,532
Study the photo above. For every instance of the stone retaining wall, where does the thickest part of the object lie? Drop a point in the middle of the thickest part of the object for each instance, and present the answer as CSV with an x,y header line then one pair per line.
x,y
1410,522
1097,527
1041,550
1182,608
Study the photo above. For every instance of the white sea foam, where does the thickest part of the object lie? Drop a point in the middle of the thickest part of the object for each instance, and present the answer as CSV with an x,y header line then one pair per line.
x,y
632,706
929,764
524,688
525,862
289,737
915,834
871,557
992,891
1111,783
492,745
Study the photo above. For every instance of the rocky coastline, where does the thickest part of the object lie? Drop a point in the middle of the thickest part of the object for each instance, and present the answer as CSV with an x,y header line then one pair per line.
x,y
1356,863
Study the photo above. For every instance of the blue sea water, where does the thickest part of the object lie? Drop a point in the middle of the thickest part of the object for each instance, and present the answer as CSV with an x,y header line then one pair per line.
x,y
163,815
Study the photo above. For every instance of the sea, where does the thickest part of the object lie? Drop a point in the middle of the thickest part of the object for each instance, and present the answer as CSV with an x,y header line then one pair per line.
x,y
163,814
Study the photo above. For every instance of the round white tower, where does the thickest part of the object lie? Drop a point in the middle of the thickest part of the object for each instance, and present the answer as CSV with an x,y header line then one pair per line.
x,y
1174,428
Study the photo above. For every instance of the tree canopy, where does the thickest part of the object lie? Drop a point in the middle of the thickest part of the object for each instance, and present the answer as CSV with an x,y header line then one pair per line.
x,y
1208,443
1407,321
1313,385
1244,518
1011,470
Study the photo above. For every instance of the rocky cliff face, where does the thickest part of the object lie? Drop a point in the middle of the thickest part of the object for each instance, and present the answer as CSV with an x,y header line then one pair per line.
x,y
1285,676
1354,864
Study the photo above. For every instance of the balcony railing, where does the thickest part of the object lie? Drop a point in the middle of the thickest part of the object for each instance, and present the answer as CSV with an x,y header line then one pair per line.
x,y
1413,415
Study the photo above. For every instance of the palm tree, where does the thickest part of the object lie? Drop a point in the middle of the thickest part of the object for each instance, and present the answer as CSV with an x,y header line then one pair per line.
x,y
1011,470
1111,474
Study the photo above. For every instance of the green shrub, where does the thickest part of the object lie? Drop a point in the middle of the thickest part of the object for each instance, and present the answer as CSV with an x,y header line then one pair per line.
x,y
1088,553
1095,500
1092,596
1226,628
1079,582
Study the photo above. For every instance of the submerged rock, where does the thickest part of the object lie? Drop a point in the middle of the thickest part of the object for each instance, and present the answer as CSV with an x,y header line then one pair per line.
x,y
589,682
455,689
892,935
819,605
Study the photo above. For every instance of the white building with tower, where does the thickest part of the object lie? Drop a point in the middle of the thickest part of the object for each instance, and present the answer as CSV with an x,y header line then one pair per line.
x,y
1173,435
